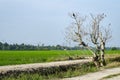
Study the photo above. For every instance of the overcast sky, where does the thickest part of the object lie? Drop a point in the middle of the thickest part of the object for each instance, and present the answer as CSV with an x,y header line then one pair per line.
x,y
44,21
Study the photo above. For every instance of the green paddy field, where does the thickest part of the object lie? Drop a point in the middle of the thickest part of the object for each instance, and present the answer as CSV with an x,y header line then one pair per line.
x,y
24,57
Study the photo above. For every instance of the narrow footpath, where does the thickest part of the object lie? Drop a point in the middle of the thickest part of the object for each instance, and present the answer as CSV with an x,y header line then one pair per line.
x,y
98,75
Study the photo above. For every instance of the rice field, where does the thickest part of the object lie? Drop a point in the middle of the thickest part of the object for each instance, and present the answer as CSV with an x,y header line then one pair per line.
x,y
24,57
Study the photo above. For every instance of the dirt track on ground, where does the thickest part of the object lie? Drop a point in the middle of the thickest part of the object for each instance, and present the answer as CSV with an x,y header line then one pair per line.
x,y
98,75
38,66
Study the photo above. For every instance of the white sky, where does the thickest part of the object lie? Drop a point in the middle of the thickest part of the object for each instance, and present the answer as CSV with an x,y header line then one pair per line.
x,y
44,21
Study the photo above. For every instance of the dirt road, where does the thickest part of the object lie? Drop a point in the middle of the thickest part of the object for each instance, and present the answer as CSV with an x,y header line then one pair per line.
x,y
41,66
98,75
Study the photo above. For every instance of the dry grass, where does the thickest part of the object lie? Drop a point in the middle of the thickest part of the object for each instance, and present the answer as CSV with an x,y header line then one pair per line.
x,y
113,60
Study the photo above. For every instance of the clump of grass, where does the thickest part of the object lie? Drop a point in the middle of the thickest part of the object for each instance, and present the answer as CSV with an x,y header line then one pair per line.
x,y
113,61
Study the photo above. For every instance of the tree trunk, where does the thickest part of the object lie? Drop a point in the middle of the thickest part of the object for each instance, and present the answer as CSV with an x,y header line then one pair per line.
x,y
103,62
102,52
96,61
96,58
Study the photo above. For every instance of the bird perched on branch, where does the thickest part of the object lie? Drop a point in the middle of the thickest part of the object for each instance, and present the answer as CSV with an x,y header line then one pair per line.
x,y
73,15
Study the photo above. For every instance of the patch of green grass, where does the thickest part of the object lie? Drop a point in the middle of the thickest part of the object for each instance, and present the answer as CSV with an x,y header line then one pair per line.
x,y
24,57
112,52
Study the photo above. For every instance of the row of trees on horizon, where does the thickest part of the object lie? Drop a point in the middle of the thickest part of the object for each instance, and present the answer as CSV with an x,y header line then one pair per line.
x,y
6,46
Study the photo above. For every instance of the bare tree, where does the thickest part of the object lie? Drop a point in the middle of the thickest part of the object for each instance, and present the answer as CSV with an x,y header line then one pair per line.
x,y
77,32
99,36
104,36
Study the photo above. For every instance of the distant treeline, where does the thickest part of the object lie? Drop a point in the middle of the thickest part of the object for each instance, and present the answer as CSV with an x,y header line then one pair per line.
x,y
6,46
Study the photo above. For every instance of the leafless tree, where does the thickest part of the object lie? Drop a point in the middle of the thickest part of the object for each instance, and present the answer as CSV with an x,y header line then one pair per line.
x,y
77,32
104,36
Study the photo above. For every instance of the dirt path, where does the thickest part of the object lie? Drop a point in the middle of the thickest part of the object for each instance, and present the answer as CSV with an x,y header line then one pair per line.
x,y
40,66
98,75
113,78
